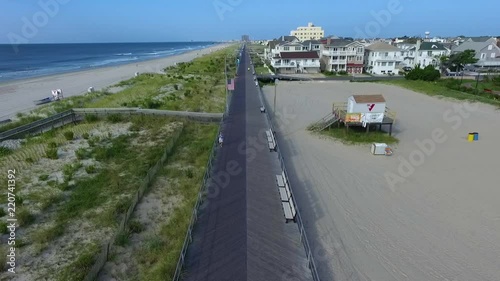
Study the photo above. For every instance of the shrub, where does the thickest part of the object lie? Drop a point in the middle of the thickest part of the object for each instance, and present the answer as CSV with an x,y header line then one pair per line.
x,y
429,73
2,212
69,135
51,153
5,151
176,87
81,153
43,177
29,160
115,118
3,228
90,118
85,136
24,217
52,145
342,72
90,169
135,226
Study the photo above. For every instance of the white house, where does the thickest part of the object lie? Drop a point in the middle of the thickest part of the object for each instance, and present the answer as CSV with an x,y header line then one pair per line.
x,y
424,54
296,62
382,58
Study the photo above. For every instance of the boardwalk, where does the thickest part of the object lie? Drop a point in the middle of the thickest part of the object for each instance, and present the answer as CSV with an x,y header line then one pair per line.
x,y
241,232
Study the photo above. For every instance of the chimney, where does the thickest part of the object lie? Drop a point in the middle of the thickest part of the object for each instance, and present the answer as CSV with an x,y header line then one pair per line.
x,y
328,40
418,44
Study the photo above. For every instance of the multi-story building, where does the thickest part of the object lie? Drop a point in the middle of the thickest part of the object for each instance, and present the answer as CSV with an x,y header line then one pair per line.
x,y
382,58
296,62
309,32
343,55
424,54
487,52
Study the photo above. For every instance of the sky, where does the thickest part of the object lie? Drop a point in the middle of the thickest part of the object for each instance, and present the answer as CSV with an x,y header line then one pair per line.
x,y
95,21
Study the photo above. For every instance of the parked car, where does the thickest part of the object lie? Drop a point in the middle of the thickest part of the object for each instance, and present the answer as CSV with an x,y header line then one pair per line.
x,y
407,68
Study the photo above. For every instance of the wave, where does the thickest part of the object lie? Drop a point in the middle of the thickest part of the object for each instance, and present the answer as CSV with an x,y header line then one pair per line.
x,y
112,61
123,54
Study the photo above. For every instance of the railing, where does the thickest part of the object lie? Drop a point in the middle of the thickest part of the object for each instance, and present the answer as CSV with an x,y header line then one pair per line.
x,y
40,125
296,65
337,61
75,114
341,53
300,224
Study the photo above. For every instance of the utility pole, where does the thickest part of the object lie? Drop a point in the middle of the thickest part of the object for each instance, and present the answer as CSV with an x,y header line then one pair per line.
x,y
275,86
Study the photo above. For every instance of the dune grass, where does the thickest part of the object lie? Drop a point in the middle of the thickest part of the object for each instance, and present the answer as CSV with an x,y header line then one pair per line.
x,y
358,135
185,171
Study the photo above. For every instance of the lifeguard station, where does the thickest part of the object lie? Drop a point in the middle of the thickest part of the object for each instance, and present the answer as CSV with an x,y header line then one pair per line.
x,y
359,110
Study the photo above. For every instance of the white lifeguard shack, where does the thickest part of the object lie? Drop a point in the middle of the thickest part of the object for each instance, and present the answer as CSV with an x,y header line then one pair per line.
x,y
369,108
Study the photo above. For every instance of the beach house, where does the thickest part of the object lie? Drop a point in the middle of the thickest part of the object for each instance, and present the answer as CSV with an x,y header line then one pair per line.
x,y
423,54
382,58
342,55
487,52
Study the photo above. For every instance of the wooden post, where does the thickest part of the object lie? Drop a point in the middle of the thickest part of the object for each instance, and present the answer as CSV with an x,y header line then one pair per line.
x,y
390,130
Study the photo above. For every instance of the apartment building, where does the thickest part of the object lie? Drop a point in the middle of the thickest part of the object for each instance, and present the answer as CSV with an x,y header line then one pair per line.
x,y
309,32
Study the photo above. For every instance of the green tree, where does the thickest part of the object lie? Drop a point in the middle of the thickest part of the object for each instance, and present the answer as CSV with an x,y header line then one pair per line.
x,y
457,61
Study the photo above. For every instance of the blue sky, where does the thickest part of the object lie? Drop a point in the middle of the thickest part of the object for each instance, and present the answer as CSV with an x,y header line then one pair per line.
x,y
73,21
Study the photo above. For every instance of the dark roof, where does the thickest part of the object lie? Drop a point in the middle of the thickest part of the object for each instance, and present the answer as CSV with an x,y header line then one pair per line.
x,y
339,43
432,46
273,44
241,233
299,55
307,42
368,98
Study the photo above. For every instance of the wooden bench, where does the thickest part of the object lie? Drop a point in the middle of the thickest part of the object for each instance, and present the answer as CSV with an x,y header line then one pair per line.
x,y
283,194
270,140
289,211
280,180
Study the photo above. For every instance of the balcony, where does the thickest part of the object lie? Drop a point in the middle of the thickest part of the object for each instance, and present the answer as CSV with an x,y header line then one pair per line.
x,y
307,64
340,53
337,61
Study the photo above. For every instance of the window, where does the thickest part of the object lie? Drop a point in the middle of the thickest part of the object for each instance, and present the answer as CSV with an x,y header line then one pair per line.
x,y
384,63
390,63
493,55
297,48
429,53
490,47
360,50
483,56
371,63
386,54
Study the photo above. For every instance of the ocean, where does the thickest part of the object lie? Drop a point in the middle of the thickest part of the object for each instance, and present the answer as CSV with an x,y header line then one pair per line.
x,y
35,60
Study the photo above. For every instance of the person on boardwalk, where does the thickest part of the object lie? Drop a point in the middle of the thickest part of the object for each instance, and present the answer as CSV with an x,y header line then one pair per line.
x,y
221,139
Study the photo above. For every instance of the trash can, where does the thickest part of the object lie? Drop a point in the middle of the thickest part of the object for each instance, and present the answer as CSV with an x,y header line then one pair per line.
x,y
470,138
476,136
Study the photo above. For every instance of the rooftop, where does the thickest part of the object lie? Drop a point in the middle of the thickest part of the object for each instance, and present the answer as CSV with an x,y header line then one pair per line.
x,y
299,55
368,98
381,46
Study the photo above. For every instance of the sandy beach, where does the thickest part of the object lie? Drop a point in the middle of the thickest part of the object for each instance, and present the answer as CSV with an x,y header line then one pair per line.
x,y
440,220
18,96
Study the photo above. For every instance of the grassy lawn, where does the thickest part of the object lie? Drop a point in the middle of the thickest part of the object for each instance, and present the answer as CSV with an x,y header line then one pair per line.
x,y
440,89
358,135
261,70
